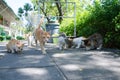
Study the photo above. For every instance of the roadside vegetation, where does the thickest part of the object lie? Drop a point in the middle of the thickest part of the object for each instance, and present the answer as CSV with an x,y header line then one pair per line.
x,y
103,16
5,37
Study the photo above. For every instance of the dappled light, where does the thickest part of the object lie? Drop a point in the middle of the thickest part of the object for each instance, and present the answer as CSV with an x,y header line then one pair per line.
x,y
71,67
70,63
61,55
32,71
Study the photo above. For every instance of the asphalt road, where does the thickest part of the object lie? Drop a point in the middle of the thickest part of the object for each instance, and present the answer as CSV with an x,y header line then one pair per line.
x,y
70,64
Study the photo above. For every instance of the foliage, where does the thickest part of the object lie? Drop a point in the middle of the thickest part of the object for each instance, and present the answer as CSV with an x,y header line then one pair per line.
x,y
23,13
20,12
67,28
8,37
27,30
1,30
3,34
17,27
1,38
116,20
5,38
19,38
102,16
27,7
52,8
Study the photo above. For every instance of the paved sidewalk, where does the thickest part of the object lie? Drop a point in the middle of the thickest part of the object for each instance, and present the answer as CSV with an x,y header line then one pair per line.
x,y
71,64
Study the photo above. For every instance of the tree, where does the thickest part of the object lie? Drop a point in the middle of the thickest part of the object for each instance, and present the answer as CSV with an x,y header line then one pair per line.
x,y
59,7
20,12
53,8
23,13
27,7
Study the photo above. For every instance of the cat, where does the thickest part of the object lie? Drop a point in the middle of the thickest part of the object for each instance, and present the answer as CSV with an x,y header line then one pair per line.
x,y
41,36
78,42
94,41
61,41
64,42
14,46
30,39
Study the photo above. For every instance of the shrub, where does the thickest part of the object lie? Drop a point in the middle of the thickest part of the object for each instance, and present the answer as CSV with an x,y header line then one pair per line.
x,y
19,38
3,33
1,38
8,37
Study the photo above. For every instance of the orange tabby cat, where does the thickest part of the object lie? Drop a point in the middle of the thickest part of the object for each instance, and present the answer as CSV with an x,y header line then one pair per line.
x,y
14,46
41,36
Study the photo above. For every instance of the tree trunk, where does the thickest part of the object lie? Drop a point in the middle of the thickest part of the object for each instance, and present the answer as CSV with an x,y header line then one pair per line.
x,y
45,14
59,7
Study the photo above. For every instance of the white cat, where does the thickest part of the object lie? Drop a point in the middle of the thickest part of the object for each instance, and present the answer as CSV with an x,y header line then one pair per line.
x,y
30,40
61,41
64,41
78,42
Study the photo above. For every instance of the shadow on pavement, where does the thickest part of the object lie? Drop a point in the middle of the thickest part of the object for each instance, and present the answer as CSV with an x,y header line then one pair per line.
x,y
74,64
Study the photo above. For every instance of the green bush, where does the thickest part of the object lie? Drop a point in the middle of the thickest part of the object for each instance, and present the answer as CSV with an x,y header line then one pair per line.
x,y
3,34
67,28
1,29
8,37
19,38
102,17
112,40
1,38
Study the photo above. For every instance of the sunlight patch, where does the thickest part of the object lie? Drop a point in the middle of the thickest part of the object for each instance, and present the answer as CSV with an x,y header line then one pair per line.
x,y
61,55
72,67
32,71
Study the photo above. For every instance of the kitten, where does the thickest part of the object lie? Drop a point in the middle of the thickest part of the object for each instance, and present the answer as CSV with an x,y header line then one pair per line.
x,y
69,42
14,46
64,42
94,41
61,41
30,39
41,36
78,42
